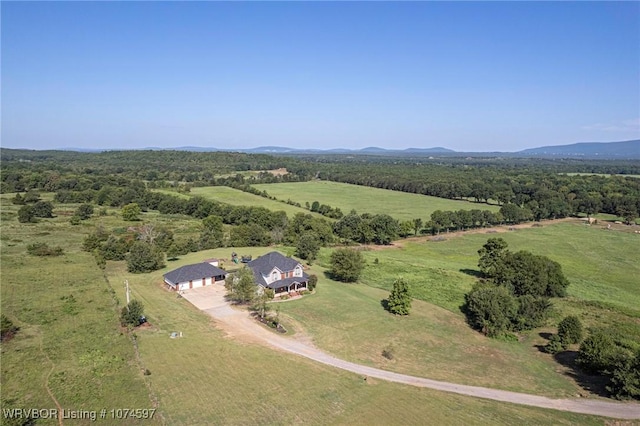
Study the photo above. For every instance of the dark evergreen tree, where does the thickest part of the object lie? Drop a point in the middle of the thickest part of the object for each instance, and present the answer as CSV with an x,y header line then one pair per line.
x,y
399,301
570,330
131,314
492,255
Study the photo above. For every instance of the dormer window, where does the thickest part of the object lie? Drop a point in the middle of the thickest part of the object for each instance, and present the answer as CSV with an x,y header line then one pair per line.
x,y
298,271
274,276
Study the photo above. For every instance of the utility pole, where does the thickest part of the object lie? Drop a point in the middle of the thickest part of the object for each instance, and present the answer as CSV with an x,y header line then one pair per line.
x,y
126,286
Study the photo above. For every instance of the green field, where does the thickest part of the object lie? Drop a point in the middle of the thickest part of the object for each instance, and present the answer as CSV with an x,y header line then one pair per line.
x,y
69,343
78,350
601,265
235,197
434,341
400,205
236,383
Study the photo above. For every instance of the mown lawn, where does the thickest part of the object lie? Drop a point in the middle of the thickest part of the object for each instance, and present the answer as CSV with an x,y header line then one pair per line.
x,y
235,197
400,205
349,321
207,377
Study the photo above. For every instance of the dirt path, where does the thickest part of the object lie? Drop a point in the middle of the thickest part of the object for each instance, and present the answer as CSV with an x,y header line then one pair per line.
x,y
238,324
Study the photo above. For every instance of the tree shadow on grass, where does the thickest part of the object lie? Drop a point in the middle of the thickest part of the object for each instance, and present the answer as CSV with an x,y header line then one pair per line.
x,y
596,384
385,304
545,336
472,272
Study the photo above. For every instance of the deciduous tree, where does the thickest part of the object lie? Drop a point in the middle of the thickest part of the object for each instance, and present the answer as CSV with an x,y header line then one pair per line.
x,y
308,246
346,264
131,212
241,287
143,257
490,308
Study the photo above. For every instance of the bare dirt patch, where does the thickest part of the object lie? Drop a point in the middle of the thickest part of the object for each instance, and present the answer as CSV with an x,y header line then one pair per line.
x,y
279,172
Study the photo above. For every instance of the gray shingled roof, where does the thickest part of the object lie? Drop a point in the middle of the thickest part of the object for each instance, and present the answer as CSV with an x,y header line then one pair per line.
x,y
196,271
265,264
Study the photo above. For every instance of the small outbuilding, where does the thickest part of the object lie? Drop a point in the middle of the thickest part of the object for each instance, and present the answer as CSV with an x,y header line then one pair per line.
x,y
194,276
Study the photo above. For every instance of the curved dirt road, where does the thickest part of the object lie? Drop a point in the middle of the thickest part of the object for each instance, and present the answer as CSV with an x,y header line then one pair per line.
x,y
238,323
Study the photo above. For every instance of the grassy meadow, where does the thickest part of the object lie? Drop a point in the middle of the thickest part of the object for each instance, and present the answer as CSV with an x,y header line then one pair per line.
x,y
601,265
235,197
75,347
232,382
435,341
70,346
400,205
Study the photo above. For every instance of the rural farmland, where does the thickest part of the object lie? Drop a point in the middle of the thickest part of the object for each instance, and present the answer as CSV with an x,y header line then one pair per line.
x,y
399,205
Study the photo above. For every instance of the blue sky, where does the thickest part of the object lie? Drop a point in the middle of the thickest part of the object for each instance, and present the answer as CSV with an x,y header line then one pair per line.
x,y
469,76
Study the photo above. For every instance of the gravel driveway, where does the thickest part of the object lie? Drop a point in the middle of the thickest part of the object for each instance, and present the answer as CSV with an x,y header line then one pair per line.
x,y
238,323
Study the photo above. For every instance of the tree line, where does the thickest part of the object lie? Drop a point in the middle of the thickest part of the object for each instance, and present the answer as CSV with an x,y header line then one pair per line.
x,y
545,188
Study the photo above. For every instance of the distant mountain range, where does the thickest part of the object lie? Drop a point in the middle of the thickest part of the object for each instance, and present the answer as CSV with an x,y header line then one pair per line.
x,y
607,150
625,149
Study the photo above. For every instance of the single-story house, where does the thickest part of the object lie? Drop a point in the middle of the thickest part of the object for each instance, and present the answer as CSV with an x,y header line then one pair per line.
x,y
194,276
282,274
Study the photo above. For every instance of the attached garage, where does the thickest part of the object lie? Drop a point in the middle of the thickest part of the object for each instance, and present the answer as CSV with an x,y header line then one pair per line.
x,y
194,276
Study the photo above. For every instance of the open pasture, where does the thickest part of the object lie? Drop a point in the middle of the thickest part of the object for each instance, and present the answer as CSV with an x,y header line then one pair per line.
x,y
601,265
207,377
400,205
235,197
435,341
349,321
70,346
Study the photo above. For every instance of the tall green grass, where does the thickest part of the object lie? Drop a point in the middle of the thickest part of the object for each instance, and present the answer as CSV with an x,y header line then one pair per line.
x,y
70,338
400,205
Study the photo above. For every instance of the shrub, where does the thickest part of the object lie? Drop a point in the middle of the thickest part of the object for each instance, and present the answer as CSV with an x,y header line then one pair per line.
x,y
43,249
8,329
131,314
389,352
26,215
313,281
625,380
570,330
598,352
555,345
